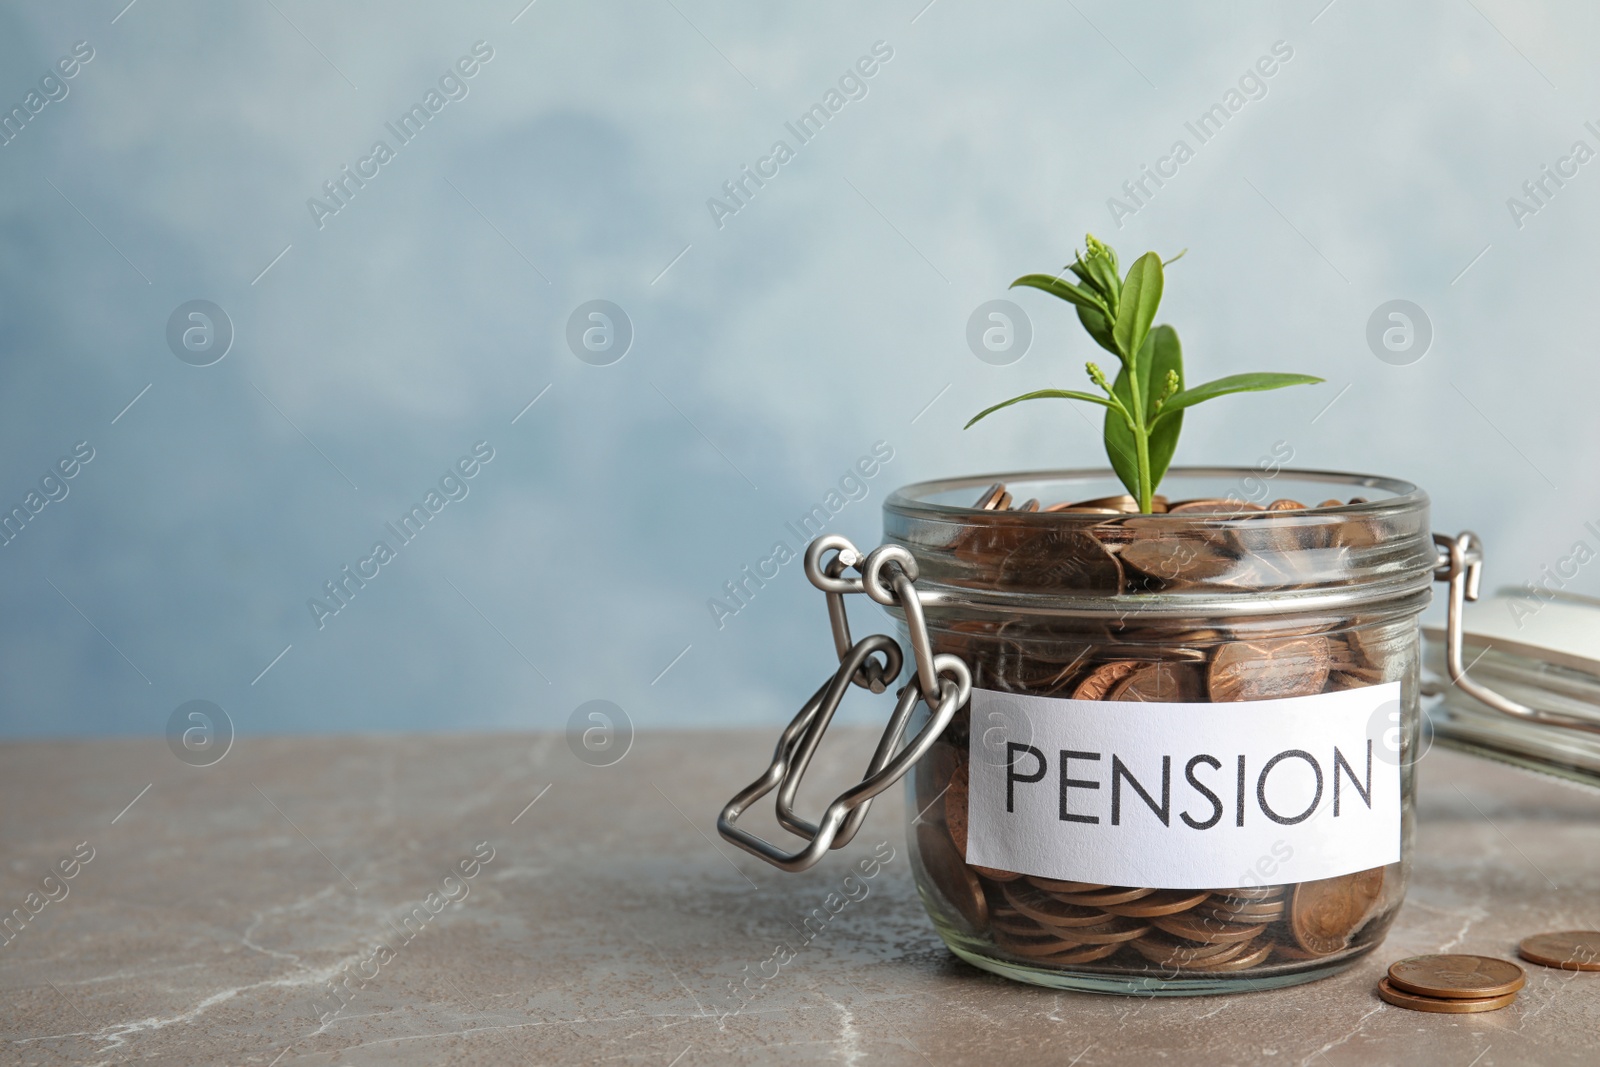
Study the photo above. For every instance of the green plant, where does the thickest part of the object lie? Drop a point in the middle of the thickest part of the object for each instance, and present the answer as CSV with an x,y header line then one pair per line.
x,y
1145,405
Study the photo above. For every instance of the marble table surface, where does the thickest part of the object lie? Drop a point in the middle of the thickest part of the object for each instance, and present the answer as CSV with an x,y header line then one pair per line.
x,y
533,909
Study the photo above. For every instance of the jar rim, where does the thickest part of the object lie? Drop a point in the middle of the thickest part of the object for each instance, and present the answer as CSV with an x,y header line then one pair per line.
x,y
910,499
1403,583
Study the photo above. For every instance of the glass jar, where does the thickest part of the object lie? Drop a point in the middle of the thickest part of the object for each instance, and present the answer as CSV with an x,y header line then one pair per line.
x,y
1186,766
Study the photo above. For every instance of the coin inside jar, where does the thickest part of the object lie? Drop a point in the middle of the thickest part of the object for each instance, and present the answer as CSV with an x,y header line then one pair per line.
x,y
1045,908
1161,683
1054,885
1175,559
1061,557
995,498
1167,951
1325,914
1103,678
1243,962
1456,976
955,820
1205,930
1161,902
954,881
1268,669
1123,503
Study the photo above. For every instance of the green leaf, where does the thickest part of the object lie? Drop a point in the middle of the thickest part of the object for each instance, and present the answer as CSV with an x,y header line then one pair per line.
x,y
1042,394
1161,353
1065,290
1099,327
1233,383
1136,308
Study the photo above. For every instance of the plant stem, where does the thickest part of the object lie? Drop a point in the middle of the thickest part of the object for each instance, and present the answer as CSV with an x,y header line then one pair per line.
x,y
1141,432
1141,441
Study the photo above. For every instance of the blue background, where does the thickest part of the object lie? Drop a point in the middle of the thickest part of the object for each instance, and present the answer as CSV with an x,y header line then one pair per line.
x,y
770,352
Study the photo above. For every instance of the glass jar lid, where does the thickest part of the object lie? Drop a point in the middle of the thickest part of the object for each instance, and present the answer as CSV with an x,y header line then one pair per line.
x,y
1542,651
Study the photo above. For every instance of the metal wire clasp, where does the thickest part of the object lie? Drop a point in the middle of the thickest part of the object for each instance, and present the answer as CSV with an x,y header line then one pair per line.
x,y
1461,564
888,575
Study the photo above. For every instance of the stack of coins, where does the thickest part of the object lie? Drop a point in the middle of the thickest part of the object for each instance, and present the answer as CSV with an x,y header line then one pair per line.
x,y
1454,985
1106,545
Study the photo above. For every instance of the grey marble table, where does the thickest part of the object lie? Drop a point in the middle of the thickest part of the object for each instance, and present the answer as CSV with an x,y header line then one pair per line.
x,y
234,915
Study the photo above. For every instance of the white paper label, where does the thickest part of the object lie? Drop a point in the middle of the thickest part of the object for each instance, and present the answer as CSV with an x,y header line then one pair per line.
x,y
1185,796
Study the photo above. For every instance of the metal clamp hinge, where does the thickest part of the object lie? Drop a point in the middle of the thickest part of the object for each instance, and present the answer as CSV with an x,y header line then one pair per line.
x,y
1461,564
888,575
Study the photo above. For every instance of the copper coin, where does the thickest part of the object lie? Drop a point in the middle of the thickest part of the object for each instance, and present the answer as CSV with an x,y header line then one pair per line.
x,y
1249,958
1056,952
1031,505
1044,908
1170,952
1250,893
955,819
1108,934
1206,931
1086,954
1207,506
1161,902
1124,504
1014,926
954,882
1058,557
1290,952
1268,669
1266,914
1325,914
1176,558
1109,895
933,774
1454,1006
992,498
955,808
1341,680
1255,918
1103,678
1062,938
1456,977
1034,946
1286,505
1375,646
1077,509
1358,531
1570,950
1052,885
1161,683
1026,937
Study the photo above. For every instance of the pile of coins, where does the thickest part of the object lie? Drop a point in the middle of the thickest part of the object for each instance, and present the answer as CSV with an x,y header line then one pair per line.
x,y
1064,923
1106,545
1115,550
1459,984
1452,985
